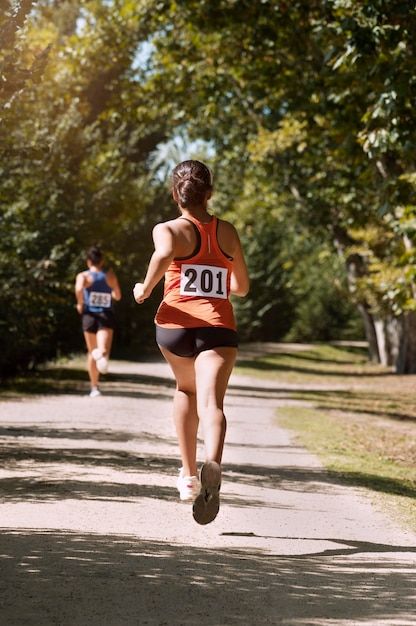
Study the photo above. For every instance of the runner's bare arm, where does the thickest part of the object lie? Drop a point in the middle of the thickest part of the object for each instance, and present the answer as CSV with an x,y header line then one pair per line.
x,y
240,282
79,291
114,284
160,260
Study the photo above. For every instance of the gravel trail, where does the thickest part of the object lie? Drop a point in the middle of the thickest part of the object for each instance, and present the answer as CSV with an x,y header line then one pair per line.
x,y
93,533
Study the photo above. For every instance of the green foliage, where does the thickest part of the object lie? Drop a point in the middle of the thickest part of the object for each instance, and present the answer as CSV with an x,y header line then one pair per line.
x,y
307,109
16,70
318,95
266,313
323,309
74,170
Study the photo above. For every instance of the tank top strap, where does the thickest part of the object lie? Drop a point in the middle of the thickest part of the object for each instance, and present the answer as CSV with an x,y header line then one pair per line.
x,y
100,275
207,232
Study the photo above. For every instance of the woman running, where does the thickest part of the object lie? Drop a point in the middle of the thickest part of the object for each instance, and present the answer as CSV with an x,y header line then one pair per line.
x,y
95,290
202,261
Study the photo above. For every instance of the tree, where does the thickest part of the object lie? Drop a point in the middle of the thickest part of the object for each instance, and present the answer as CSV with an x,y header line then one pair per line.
x,y
306,110
15,72
317,94
75,171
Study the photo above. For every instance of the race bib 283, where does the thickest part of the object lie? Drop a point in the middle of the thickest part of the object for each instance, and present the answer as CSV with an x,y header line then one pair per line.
x,y
98,299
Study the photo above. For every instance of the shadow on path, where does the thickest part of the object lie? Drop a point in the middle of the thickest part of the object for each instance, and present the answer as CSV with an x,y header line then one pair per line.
x,y
52,472
72,381
83,579
74,579
352,547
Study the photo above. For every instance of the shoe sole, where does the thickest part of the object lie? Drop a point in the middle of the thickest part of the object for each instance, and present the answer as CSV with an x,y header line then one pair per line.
x,y
207,504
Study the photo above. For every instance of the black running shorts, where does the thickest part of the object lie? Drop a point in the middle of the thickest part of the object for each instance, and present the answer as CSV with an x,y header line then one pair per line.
x,y
191,341
91,322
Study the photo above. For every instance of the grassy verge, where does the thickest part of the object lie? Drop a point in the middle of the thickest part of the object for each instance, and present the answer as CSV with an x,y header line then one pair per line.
x,y
359,418
361,455
68,375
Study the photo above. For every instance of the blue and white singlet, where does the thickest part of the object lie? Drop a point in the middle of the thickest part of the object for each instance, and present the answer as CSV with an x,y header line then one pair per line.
x,y
97,297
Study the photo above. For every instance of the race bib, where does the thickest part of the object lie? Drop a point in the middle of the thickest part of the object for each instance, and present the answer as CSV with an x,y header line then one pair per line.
x,y
204,280
98,299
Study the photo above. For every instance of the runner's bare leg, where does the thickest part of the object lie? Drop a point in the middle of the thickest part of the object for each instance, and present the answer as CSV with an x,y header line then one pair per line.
x,y
212,371
91,342
105,340
184,409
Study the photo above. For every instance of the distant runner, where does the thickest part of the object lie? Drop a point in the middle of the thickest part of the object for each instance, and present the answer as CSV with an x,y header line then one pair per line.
x,y
202,261
95,290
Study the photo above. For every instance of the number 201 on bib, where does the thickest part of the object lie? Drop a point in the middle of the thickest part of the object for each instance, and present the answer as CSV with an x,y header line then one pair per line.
x,y
204,280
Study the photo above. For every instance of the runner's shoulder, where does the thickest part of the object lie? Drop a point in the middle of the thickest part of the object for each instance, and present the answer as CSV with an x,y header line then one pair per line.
x,y
227,227
171,228
81,276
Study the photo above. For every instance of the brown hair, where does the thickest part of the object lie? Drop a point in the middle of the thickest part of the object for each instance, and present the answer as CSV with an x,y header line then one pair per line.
x,y
191,182
94,255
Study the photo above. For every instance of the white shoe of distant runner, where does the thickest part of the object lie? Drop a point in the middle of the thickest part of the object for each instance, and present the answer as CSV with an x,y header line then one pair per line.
x,y
188,486
95,392
101,361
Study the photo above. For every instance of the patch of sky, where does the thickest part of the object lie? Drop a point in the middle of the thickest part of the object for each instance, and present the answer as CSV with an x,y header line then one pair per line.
x,y
177,149
82,21
143,55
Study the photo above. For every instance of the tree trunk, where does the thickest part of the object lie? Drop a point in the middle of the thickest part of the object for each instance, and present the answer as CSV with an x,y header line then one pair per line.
x,y
391,340
356,267
370,333
389,331
382,341
406,358
394,332
405,362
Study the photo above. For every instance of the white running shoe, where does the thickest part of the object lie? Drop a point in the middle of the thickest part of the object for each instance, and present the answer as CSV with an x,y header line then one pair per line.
x,y
101,361
207,504
95,392
188,486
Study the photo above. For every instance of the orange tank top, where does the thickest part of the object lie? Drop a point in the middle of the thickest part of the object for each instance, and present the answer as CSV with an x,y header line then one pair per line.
x,y
197,288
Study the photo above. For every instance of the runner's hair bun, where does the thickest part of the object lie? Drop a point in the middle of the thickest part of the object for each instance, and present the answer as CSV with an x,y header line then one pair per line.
x,y
191,182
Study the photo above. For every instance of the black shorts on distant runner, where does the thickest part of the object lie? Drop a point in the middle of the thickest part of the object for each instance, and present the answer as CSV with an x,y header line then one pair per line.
x,y
189,342
92,322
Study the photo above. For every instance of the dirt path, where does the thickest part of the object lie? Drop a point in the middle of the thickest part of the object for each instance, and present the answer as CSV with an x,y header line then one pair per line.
x,y
93,533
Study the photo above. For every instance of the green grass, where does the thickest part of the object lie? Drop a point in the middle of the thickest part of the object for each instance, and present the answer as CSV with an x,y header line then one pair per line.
x,y
64,376
358,417
335,377
359,454
323,362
